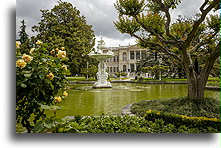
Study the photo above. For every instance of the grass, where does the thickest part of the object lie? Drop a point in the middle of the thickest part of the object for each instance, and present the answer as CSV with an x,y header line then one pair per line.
x,y
80,79
206,107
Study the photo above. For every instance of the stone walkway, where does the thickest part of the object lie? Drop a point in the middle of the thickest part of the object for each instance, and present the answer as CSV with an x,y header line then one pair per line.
x,y
126,110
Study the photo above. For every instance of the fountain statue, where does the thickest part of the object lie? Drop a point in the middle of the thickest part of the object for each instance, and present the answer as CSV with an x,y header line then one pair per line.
x,y
102,75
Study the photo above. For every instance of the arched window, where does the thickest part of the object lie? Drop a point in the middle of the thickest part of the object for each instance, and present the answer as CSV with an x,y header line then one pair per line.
x,y
124,68
124,56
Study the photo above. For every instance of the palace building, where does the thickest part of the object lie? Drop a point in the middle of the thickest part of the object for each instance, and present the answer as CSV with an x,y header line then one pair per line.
x,y
126,58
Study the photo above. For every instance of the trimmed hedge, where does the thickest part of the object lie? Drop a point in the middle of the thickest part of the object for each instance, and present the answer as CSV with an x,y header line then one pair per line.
x,y
179,120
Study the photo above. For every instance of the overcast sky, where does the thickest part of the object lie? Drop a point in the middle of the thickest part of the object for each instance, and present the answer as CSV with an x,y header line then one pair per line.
x,y
99,13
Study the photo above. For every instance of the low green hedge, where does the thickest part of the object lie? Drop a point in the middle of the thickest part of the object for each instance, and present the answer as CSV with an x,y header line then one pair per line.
x,y
179,120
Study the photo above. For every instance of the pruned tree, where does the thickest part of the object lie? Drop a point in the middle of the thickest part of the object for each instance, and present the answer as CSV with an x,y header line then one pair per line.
x,y
186,40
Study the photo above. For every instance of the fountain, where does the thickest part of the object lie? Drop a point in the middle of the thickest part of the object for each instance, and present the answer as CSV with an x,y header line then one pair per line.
x,y
102,75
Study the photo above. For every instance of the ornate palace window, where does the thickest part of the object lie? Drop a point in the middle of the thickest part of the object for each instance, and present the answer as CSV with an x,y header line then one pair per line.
x,y
132,55
124,56
124,68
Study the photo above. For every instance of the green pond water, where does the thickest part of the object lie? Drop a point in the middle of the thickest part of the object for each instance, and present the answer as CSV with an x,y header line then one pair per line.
x,y
83,100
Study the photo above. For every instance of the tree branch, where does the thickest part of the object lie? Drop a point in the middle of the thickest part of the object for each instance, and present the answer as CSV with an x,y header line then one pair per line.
x,y
160,37
210,62
197,23
206,41
167,24
203,5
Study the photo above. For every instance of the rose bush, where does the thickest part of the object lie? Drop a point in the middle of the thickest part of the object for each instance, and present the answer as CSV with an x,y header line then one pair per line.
x,y
40,77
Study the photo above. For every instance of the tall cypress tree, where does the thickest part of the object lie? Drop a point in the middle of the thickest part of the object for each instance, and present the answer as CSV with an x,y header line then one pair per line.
x,y
22,33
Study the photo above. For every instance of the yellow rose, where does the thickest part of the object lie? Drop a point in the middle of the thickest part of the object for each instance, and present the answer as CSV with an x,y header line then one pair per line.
x,y
39,42
65,94
18,43
56,49
20,63
57,99
31,50
62,48
27,58
61,54
64,67
50,76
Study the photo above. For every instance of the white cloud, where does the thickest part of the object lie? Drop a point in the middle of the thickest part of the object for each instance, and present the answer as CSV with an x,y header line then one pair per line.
x,y
99,13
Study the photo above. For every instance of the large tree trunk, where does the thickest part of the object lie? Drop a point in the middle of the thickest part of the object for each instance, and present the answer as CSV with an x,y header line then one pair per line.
x,y
196,86
197,81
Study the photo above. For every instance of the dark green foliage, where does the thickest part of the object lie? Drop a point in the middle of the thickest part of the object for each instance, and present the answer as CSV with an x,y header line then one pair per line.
x,y
22,33
206,107
118,124
201,123
63,26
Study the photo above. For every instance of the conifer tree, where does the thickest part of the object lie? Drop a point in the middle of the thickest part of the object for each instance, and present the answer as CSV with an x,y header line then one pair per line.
x,y
22,33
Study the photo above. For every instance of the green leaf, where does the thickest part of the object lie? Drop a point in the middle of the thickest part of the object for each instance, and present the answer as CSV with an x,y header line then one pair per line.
x,y
38,127
45,107
44,60
23,85
49,123
26,72
28,75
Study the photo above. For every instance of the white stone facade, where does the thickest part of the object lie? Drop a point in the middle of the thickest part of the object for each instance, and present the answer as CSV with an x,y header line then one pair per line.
x,y
125,58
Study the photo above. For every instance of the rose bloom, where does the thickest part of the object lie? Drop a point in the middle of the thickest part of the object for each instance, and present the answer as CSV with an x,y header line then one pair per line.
x,y
61,54
65,94
27,58
50,76
62,48
57,99
18,43
20,63
64,67
31,50
39,42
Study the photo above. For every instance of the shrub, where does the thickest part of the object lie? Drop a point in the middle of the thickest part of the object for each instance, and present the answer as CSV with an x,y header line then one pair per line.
x,y
180,120
39,77
116,124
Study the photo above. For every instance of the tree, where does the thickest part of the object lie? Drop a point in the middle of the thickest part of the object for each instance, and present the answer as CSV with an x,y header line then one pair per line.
x,y
185,40
22,33
64,26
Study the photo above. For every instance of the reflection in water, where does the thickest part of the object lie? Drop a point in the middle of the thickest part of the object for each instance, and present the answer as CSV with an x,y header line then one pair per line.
x,y
83,100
